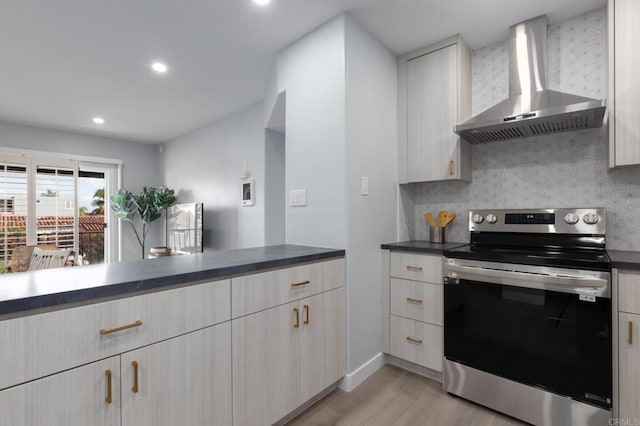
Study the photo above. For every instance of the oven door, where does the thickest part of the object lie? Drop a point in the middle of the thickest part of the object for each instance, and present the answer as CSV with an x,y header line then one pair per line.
x,y
545,327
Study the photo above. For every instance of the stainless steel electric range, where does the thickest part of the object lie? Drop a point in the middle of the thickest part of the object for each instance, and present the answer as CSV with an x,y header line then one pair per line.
x,y
527,323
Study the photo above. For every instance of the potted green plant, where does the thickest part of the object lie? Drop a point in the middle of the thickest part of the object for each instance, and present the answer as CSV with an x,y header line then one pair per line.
x,y
147,205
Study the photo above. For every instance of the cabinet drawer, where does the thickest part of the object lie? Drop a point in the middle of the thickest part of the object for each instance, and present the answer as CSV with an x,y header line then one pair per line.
x,y
253,293
417,267
417,342
416,300
46,343
629,292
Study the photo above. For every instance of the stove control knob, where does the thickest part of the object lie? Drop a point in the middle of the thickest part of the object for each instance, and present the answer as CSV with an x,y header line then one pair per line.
x,y
571,218
491,218
590,218
477,218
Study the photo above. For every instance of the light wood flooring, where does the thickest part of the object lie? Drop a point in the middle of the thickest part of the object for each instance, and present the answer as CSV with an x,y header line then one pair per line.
x,y
393,396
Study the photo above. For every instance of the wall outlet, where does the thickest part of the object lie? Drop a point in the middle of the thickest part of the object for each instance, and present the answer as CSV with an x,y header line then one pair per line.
x,y
298,197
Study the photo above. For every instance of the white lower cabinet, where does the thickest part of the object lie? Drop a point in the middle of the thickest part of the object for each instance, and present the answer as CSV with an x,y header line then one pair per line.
x,y
416,341
322,342
181,381
266,369
413,304
165,358
87,395
285,355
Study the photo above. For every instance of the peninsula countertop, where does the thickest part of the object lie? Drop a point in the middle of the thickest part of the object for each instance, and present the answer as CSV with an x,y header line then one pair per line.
x,y
48,289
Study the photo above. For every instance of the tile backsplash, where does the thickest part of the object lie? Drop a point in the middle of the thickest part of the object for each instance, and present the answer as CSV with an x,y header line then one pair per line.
x,y
563,170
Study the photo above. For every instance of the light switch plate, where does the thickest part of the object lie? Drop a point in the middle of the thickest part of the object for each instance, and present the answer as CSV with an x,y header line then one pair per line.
x,y
364,185
298,197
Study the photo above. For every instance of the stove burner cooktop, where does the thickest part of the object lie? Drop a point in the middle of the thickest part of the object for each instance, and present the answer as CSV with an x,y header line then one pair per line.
x,y
566,238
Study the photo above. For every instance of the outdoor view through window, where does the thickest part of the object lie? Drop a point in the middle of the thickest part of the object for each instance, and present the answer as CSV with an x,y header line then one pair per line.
x,y
39,205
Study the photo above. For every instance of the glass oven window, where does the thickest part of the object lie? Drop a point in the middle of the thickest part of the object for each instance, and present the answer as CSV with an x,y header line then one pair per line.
x,y
543,338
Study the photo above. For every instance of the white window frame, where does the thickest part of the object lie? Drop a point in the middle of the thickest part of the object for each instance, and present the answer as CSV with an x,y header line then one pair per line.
x,y
112,168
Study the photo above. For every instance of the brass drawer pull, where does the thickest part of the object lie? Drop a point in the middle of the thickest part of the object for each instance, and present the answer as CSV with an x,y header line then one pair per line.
x,y
451,167
305,309
134,389
631,332
124,327
417,301
300,284
296,324
412,340
108,399
414,268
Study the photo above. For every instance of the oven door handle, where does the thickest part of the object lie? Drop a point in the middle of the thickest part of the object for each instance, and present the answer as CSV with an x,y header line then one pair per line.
x,y
562,283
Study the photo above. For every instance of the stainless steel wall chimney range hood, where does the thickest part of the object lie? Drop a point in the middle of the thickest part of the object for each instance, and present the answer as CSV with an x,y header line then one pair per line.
x,y
531,108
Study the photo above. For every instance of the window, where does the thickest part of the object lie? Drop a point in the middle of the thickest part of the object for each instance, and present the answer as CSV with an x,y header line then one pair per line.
x,y
6,205
59,202
33,195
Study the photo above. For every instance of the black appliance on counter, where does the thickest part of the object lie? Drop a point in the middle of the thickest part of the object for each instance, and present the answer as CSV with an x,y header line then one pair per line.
x,y
527,322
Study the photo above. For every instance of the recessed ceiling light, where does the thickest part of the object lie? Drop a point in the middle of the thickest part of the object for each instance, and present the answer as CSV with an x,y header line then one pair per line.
x,y
159,67
262,2
98,120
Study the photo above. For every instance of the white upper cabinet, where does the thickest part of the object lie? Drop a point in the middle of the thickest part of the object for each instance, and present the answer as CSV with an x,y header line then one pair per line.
x,y
624,84
434,96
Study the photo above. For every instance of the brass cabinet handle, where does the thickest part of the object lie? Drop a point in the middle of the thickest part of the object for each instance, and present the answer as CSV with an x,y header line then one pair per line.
x,y
410,300
414,268
300,283
124,327
451,167
108,399
134,389
416,341
305,309
631,332
297,323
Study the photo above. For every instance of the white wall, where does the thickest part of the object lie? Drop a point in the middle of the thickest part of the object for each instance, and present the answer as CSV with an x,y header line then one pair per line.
x,y
311,72
139,169
274,193
340,86
205,165
371,151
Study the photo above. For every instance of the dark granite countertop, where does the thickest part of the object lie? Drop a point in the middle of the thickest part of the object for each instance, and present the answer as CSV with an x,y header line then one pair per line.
x,y
26,291
419,246
624,259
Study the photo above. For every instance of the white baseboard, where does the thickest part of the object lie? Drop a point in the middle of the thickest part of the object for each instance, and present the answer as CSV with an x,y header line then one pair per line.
x,y
362,373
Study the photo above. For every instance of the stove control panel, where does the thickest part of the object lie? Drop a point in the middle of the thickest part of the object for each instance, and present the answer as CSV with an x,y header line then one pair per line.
x,y
589,221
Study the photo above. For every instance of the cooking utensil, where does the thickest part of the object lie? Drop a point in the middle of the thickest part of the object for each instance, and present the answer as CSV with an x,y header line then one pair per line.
x,y
429,218
451,216
445,218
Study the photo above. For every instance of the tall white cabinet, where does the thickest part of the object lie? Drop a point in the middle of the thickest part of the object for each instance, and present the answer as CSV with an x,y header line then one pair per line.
x,y
434,95
624,86
627,344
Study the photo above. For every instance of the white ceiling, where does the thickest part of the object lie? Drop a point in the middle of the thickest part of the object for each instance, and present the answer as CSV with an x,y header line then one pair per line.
x,y
63,62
